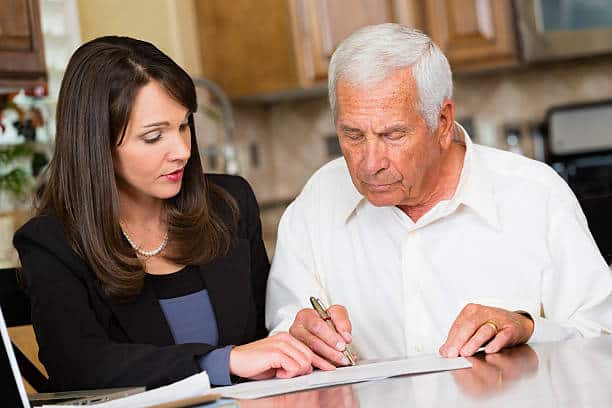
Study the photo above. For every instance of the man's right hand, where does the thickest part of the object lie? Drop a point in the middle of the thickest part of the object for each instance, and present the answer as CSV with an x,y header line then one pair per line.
x,y
311,330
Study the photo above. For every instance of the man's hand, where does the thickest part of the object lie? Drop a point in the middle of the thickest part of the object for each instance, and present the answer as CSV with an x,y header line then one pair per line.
x,y
495,373
478,325
311,330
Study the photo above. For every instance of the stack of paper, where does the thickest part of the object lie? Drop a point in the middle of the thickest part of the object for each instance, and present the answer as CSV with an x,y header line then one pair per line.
x,y
193,386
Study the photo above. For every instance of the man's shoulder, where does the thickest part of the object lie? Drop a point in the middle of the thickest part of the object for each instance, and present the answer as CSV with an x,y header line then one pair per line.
x,y
514,168
331,182
331,172
331,178
327,193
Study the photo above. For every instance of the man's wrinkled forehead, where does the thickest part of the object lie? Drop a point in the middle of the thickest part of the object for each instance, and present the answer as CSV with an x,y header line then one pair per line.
x,y
397,90
359,78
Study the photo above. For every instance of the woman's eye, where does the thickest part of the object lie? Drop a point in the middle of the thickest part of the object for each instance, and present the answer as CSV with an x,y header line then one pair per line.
x,y
152,137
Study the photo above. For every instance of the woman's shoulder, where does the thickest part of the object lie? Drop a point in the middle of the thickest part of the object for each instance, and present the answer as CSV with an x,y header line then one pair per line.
x,y
237,186
242,193
44,231
42,227
46,256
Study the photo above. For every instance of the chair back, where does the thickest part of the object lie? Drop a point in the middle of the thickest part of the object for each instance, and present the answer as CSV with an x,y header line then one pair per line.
x,y
15,306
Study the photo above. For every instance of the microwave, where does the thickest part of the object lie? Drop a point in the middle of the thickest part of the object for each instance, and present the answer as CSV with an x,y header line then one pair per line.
x,y
557,29
580,150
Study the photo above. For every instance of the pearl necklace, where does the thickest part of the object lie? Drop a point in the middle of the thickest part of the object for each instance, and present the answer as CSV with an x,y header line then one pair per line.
x,y
146,254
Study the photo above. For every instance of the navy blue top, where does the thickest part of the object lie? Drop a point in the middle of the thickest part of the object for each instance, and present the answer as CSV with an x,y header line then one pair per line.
x,y
186,305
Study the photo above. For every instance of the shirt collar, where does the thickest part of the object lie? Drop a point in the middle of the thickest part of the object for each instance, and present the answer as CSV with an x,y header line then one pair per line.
x,y
350,199
475,189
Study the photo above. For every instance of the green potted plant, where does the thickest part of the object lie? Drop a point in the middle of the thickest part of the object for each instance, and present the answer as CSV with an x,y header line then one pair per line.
x,y
16,183
16,178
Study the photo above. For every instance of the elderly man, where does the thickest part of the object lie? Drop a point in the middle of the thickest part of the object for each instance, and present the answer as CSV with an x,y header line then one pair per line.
x,y
429,242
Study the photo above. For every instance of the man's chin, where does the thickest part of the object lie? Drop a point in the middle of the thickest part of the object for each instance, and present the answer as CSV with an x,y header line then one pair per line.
x,y
381,199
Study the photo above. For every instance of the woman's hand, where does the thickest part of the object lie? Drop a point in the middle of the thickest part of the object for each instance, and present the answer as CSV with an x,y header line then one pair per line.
x,y
280,355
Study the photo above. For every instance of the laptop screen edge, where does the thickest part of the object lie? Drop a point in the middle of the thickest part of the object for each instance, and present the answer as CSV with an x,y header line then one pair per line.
x,y
14,367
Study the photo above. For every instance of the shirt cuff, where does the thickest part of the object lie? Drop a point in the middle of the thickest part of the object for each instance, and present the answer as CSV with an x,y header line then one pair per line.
x,y
545,330
216,365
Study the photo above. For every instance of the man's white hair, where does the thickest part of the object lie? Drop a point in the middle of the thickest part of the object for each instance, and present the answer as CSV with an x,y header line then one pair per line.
x,y
371,54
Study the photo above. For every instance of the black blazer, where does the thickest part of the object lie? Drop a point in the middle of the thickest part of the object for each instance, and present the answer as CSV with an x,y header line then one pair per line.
x,y
89,341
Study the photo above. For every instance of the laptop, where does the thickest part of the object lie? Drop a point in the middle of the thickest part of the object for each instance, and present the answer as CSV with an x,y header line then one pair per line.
x,y
14,394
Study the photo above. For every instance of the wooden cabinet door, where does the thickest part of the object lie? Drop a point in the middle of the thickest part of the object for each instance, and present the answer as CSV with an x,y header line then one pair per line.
x,y
320,26
270,47
473,33
21,47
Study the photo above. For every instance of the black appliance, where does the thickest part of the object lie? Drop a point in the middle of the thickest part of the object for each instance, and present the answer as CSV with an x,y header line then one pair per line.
x,y
580,150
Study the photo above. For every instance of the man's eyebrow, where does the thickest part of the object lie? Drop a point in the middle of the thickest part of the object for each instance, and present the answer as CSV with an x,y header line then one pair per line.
x,y
347,128
396,128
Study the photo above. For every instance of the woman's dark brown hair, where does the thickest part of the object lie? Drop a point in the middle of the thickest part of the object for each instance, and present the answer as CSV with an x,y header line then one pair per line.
x,y
94,106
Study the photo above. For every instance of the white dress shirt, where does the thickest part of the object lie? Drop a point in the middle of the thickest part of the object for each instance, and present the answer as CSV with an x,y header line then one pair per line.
x,y
512,236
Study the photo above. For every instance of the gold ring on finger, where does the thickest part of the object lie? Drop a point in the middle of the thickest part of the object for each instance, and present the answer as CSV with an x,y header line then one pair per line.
x,y
492,324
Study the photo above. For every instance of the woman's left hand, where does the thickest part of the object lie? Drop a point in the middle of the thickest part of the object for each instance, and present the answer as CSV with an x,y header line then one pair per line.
x,y
280,355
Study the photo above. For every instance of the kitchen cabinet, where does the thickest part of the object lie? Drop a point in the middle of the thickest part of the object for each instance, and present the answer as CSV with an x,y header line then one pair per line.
x,y
22,61
274,46
474,34
321,26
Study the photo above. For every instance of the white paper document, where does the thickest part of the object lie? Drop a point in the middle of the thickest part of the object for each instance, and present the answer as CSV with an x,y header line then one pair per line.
x,y
366,371
193,386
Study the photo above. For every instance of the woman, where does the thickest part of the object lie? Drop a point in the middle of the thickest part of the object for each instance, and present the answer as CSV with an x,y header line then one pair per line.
x,y
142,270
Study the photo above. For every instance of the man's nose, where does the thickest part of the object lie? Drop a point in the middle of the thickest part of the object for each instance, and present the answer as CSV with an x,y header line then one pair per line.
x,y
375,156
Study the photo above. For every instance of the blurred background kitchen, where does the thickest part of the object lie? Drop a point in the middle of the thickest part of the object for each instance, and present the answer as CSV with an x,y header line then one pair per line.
x,y
531,76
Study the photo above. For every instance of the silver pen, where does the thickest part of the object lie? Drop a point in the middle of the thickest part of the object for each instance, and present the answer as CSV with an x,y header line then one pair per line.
x,y
316,304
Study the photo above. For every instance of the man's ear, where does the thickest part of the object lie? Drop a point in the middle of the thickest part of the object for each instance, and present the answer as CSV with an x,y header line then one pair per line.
x,y
446,123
